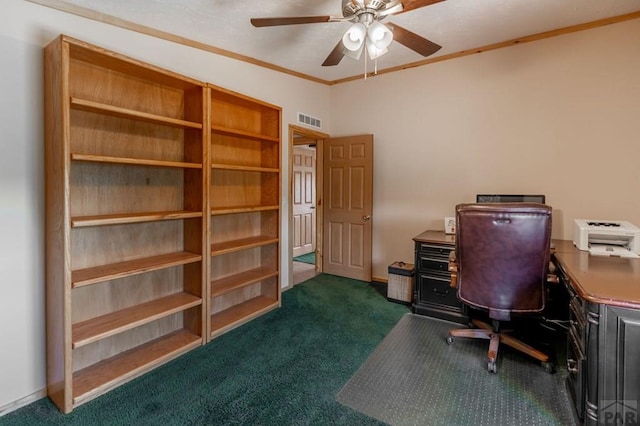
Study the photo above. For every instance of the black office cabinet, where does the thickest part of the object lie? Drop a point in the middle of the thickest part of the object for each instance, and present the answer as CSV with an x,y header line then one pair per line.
x,y
619,356
580,328
603,353
434,295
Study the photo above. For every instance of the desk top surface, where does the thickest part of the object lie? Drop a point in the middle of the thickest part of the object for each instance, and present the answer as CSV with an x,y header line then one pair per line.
x,y
606,280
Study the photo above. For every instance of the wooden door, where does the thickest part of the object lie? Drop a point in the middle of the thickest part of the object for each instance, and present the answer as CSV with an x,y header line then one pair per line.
x,y
304,195
348,198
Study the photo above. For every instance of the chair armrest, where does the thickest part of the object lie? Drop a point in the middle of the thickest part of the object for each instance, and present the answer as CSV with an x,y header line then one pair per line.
x,y
453,268
552,277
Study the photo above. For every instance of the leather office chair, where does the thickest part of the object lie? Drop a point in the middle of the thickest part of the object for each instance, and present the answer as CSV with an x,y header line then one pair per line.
x,y
500,266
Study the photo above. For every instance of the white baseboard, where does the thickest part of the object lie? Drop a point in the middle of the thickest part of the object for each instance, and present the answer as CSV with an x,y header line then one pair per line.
x,y
26,400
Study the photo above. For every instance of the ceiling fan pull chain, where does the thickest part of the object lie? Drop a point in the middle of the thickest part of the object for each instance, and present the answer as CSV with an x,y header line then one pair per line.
x,y
365,64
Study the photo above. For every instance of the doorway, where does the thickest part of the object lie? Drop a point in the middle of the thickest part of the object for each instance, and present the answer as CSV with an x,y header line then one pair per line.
x,y
303,200
343,225
305,207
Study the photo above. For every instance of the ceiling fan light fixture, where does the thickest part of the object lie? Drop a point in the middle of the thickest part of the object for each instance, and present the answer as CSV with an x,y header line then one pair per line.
x,y
374,51
353,39
354,54
379,35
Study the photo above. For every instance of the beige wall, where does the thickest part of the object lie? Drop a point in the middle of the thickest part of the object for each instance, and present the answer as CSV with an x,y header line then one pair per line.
x,y
557,116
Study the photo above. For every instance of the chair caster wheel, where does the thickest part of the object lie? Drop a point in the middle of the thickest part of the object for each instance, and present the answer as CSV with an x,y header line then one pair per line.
x,y
491,366
549,367
450,340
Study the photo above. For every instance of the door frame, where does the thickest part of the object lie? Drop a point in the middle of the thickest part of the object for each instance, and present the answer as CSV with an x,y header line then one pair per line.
x,y
308,136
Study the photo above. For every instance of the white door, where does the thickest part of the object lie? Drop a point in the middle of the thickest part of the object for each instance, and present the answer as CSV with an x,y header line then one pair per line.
x,y
304,195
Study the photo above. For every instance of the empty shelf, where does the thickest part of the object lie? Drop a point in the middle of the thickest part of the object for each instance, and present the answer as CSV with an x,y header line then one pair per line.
x,y
232,282
94,329
244,311
127,268
95,380
100,108
122,218
242,244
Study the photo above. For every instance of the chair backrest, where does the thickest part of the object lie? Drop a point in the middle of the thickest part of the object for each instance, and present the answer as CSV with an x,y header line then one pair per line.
x,y
502,252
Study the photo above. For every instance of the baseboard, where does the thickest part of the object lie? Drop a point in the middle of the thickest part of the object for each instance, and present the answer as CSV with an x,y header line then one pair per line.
x,y
380,280
26,400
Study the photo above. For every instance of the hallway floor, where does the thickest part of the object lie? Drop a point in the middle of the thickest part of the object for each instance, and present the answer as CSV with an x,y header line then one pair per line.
x,y
302,272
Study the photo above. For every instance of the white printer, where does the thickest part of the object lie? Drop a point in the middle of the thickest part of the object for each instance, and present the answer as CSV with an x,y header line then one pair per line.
x,y
607,238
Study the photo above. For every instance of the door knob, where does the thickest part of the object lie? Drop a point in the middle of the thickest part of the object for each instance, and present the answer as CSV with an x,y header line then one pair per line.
x,y
312,207
367,217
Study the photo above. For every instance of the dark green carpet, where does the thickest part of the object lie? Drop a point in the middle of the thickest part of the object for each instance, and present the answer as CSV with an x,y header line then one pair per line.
x,y
283,368
306,258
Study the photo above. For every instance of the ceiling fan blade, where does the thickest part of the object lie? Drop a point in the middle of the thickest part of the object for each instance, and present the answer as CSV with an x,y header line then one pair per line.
x,y
335,56
294,20
408,5
413,41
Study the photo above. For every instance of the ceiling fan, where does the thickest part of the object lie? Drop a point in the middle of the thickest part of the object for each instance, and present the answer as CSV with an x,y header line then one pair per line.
x,y
366,30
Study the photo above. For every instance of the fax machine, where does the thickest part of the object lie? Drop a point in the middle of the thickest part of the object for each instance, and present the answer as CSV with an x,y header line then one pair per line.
x,y
607,238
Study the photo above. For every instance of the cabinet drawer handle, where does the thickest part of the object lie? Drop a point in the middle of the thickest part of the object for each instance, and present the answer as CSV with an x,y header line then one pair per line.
x,y
445,281
440,293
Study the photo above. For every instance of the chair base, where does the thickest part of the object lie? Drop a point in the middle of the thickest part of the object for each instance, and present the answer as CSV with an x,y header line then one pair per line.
x,y
495,336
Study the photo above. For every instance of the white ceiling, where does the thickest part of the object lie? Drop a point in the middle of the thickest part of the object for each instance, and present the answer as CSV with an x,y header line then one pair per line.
x,y
456,25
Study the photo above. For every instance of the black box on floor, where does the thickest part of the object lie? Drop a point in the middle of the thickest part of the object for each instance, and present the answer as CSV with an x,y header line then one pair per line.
x,y
400,284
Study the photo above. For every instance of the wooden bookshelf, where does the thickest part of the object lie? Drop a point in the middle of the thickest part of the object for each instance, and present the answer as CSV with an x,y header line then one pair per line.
x,y
245,225
126,218
163,211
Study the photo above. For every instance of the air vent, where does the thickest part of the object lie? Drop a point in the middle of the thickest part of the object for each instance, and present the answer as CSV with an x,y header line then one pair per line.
x,y
309,120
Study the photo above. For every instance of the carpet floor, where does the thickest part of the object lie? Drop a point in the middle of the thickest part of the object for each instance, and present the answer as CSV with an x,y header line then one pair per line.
x,y
309,258
415,378
283,368
287,367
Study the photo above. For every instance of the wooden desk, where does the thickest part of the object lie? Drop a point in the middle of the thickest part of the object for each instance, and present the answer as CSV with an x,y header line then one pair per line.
x,y
603,340
613,281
